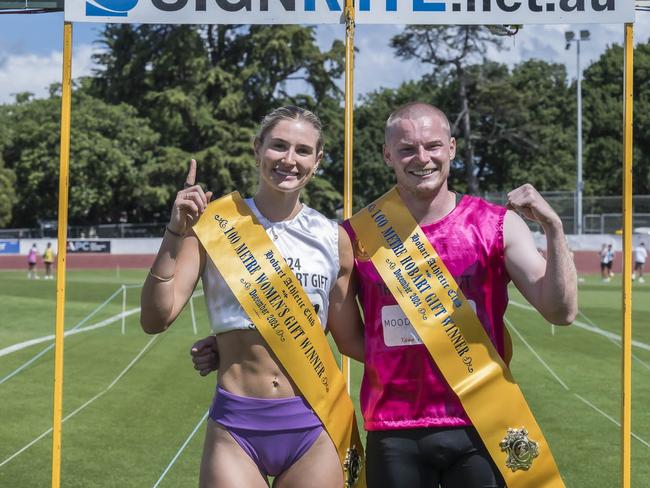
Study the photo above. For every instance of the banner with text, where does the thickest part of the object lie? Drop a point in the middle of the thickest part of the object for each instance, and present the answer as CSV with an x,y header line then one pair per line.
x,y
83,246
11,246
367,11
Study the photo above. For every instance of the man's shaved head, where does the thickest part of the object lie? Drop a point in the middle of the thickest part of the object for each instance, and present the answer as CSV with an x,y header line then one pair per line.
x,y
413,111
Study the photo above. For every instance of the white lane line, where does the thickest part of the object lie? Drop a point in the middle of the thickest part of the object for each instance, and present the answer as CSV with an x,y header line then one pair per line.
x,y
75,330
510,325
614,341
47,338
597,330
51,346
182,448
611,419
25,364
10,349
79,409
17,347
539,358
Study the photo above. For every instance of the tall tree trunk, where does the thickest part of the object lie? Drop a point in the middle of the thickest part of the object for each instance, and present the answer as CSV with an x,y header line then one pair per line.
x,y
470,173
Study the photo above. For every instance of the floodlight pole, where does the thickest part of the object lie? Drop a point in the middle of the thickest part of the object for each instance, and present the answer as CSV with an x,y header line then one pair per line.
x,y
583,35
64,161
579,152
570,37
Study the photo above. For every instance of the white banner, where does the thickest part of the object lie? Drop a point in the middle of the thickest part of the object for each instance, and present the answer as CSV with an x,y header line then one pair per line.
x,y
468,12
367,11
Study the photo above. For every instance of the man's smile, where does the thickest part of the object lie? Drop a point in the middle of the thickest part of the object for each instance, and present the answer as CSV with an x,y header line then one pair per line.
x,y
423,171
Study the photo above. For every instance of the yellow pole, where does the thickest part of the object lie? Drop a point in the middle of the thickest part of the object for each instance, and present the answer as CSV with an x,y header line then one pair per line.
x,y
66,96
349,129
627,258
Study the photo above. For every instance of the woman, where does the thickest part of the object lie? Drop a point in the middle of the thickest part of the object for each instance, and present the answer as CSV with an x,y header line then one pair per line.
x,y
48,259
32,257
259,426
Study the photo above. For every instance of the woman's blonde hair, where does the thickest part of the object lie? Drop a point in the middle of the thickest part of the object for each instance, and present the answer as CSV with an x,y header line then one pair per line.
x,y
288,112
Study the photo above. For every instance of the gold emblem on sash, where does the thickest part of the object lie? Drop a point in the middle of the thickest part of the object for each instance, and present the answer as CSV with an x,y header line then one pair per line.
x,y
521,450
352,466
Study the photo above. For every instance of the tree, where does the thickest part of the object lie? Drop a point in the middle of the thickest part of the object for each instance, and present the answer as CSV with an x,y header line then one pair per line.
x,y
603,115
525,126
205,89
110,150
7,176
7,195
521,128
450,50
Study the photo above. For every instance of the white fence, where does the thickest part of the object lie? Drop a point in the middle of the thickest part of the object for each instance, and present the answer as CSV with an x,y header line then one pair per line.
x,y
600,215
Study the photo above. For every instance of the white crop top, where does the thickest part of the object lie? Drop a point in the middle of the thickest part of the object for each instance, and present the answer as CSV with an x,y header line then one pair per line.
x,y
309,244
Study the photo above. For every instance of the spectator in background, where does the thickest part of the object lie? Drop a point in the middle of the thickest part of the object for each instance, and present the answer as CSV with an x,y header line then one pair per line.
x,y
601,256
606,262
640,255
48,259
32,257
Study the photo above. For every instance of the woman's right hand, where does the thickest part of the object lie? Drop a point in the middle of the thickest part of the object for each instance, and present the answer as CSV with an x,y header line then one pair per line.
x,y
189,204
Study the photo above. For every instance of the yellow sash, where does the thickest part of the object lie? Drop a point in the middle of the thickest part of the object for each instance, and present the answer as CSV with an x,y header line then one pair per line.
x,y
276,303
434,304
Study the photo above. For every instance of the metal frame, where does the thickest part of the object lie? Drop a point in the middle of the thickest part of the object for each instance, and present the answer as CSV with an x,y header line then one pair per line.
x,y
349,109
29,6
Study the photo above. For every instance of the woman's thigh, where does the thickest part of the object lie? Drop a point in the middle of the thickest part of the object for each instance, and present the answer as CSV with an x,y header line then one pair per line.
x,y
318,468
225,464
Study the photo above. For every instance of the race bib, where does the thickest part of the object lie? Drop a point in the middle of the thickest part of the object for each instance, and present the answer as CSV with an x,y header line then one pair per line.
x,y
397,328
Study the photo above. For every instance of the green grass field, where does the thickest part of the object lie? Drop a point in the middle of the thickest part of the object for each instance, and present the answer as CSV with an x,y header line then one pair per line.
x,y
132,400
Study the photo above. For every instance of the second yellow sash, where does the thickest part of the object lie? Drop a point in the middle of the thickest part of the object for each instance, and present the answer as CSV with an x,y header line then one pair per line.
x,y
436,307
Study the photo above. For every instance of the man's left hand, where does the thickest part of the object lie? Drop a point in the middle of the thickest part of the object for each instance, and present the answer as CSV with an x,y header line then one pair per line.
x,y
205,355
527,201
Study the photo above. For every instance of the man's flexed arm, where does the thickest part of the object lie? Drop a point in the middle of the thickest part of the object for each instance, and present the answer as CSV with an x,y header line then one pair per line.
x,y
550,284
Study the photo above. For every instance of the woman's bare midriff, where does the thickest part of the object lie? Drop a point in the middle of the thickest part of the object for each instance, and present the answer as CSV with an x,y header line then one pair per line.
x,y
247,367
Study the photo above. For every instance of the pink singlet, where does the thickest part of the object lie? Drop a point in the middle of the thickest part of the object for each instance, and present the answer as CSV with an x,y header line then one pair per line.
x,y
402,388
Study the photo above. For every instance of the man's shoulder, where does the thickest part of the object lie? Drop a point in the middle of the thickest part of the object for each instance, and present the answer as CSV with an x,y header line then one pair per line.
x,y
479,203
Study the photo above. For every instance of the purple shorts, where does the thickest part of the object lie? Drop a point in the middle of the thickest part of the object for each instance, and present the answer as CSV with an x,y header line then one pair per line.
x,y
275,433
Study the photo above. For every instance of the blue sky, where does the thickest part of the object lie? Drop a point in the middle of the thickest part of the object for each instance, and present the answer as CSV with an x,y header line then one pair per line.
x,y
31,46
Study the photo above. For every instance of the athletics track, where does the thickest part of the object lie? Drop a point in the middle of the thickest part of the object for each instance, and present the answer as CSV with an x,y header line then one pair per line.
x,y
587,262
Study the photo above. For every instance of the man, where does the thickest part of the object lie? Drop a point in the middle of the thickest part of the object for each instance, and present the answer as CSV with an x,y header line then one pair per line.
x,y
606,263
418,432
640,255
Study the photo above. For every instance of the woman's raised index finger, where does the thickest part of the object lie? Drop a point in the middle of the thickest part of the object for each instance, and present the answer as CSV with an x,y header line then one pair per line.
x,y
191,174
